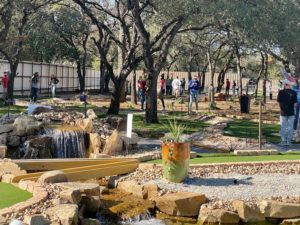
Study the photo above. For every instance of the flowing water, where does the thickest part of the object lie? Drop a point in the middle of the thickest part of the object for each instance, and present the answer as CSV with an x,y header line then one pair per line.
x,y
67,142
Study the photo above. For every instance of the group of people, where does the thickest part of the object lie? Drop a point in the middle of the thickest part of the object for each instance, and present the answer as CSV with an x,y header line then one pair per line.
x,y
235,87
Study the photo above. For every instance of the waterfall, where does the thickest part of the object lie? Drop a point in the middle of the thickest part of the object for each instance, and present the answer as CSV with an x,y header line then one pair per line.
x,y
67,142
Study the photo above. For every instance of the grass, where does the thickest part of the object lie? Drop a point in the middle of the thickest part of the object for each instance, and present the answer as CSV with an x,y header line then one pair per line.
x,y
10,195
229,157
249,129
14,109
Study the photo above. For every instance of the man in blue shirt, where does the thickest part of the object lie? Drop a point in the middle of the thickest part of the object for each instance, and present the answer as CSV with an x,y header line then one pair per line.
x,y
194,92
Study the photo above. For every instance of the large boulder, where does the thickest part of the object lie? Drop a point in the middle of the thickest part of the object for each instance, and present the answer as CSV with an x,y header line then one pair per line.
x,y
54,176
3,149
129,141
38,148
5,128
66,213
181,203
92,203
72,195
3,138
26,125
13,140
37,219
114,144
40,109
217,216
95,142
84,188
85,124
249,214
91,114
275,209
133,188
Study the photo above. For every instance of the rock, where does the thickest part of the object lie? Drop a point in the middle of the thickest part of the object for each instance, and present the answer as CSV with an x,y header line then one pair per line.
x,y
25,126
36,220
134,188
6,166
295,221
92,203
99,156
13,140
38,148
3,138
104,190
95,142
249,214
7,178
193,154
129,141
114,144
5,128
41,109
152,190
217,216
121,124
275,209
67,213
90,221
54,176
113,181
59,201
91,114
181,203
72,195
85,124
16,222
3,150
3,220
84,188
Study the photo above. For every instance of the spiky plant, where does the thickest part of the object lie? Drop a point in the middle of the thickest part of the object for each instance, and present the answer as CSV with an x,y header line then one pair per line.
x,y
175,129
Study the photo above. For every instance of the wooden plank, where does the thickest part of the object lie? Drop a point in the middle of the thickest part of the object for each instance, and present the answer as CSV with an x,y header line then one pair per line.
x,y
89,172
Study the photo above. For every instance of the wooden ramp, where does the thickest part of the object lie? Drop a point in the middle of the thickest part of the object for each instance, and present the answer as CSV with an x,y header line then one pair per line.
x,y
77,169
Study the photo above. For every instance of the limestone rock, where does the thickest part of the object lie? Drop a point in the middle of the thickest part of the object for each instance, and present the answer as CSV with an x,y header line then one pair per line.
x,y
91,114
103,190
129,141
3,138
5,128
217,216
3,150
152,190
295,221
92,203
134,188
276,209
67,213
84,188
36,220
59,201
13,140
72,195
54,176
90,221
247,213
114,144
38,148
41,109
86,125
25,126
10,167
181,203
95,142
7,178
3,220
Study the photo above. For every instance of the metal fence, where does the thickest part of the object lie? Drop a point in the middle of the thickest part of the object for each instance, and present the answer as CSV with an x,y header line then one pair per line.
x,y
66,74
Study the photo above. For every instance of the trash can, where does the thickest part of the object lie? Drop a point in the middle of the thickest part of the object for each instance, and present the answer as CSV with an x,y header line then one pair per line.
x,y
245,103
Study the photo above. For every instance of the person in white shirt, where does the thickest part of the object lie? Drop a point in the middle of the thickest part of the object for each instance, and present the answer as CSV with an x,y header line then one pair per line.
x,y
176,86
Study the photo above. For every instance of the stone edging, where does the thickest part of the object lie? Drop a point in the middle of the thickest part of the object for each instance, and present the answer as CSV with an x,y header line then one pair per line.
x,y
39,192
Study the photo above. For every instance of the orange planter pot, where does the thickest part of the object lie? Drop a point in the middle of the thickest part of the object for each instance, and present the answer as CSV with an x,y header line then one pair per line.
x,y
176,159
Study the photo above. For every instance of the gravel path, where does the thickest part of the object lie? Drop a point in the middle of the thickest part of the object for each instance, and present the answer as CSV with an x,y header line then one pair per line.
x,y
227,187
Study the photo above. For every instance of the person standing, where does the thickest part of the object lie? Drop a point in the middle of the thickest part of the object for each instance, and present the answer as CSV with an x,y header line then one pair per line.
x,y
279,85
139,83
270,90
227,87
194,86
182,87
171,81
162,91
176,86
296,88
168,85
4,82
53,82
142,91
233,87
287,100
34,86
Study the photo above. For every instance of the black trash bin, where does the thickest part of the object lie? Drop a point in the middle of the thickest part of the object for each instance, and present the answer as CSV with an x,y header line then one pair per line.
x,y
245,103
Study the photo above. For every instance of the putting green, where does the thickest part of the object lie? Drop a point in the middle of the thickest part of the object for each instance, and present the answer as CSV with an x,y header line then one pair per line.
x,y
10,195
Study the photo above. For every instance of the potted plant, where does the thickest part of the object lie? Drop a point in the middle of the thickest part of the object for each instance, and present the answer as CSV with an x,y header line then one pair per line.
x,y
175,154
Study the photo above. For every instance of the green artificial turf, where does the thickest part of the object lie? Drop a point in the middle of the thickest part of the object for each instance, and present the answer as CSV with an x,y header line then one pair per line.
x,y
14,109
229,157
10,195
249,129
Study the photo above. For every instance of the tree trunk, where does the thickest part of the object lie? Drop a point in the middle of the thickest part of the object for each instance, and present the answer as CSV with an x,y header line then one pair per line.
x,y
102,78
221,79
80,77
133,89
115,101
239,69
106,82
265,79
256,87
151,102
211,72
11,81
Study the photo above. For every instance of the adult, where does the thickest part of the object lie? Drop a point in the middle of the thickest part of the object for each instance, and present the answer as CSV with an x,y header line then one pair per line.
x,y
237,88
162,91
287,100
168,85
227,87
182,86
233,87
142,91
270,90
53,82
296,88
279,84
4,82
176,86
171,81
139,83
194,86
34,86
